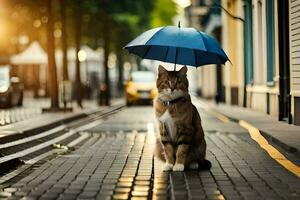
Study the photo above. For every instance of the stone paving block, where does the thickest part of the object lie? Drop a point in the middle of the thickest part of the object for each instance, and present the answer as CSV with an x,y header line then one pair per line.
x,y
106,192
120,196
87,195
72,191
121,165
103,197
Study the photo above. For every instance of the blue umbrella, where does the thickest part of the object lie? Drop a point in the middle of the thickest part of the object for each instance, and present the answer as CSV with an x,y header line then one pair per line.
x,y
185,46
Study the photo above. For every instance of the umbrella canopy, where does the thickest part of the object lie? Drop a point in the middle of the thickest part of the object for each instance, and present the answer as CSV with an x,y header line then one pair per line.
x,y
186,46
34,54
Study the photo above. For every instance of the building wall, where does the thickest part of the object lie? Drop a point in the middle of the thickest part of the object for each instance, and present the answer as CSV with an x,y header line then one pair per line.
x,y
208,78
232,42
294,10
259,42
206,75
262,95
257,92
274,91
225,44
262,90
240,60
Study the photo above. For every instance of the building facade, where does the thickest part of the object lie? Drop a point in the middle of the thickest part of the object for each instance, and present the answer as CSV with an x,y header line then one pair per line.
x,y
271,52
261,55
262,40
232,42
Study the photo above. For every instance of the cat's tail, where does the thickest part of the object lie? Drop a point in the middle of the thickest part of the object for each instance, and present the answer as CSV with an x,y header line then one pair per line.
x,y
204,165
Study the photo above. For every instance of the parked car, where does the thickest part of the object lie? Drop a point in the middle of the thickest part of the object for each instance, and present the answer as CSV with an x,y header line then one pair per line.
x,y
140,88
11,89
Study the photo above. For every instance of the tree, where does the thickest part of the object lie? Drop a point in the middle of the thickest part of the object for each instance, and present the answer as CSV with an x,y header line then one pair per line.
x,y
24,18
129,19
105,23
78,22
163,13
106,40
51,58
64,39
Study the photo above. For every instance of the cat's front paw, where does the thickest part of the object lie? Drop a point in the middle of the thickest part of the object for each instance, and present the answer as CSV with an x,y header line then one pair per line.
x,y
178,167
167,167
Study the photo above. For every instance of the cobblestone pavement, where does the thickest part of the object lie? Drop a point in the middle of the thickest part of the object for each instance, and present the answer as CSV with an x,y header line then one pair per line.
x,y
117,163
9,116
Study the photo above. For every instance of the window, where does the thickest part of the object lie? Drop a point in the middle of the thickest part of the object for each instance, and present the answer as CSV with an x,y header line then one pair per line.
x,y
248,42
270,40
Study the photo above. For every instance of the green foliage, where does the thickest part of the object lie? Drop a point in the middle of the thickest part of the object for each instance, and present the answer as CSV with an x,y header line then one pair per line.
x,y
163,13
129,19
125,19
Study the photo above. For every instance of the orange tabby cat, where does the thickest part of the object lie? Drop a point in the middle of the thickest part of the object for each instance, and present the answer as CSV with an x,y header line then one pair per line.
x,y
181,141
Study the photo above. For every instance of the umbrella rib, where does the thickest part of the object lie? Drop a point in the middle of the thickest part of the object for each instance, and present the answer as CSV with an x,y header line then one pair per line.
x,y
202,40
154,35
146,52
195,57
166,54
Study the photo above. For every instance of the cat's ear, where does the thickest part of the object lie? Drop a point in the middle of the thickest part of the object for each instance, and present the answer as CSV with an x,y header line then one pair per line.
x,y
183,71
161,69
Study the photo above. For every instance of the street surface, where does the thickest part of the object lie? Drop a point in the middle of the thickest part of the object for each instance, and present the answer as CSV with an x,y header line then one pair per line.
x,y
116,162
31,108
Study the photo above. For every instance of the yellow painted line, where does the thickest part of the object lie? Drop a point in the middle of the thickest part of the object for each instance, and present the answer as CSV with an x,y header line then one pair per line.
x,y
273,152
221,117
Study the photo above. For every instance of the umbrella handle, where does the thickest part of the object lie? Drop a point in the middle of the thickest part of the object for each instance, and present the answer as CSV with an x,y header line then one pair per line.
x,y
176,50
176,55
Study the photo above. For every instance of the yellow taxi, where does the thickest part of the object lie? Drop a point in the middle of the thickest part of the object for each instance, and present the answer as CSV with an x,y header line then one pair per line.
x,y
140,87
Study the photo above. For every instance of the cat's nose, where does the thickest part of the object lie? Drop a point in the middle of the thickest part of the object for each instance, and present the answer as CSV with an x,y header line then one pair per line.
x,y
172,89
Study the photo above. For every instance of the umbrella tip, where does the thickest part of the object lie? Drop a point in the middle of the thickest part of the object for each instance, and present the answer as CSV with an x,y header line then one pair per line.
x,y
178,24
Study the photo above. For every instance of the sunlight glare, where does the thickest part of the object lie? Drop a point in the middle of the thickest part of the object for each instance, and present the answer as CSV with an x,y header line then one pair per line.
x,y
151,133
183,3
82,55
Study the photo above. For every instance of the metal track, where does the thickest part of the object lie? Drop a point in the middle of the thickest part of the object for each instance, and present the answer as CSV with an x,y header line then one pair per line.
x,y
14,154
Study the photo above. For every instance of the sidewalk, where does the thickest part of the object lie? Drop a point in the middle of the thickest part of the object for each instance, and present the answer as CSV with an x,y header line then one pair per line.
x,y
44,121
282,134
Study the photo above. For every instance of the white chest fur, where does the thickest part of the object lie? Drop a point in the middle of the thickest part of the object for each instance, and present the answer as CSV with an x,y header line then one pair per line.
x,y
168,121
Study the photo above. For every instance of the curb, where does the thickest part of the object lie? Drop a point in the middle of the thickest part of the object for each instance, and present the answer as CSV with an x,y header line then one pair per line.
x,y
266,135
281,144
19,134
29,132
